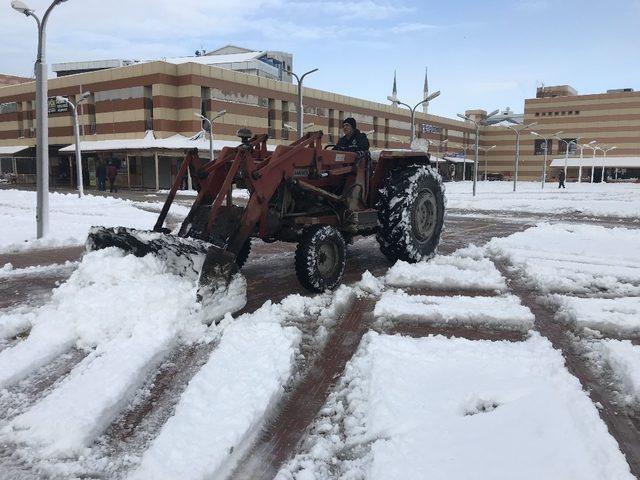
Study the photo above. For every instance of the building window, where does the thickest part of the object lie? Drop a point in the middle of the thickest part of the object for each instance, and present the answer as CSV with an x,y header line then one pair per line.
x,y
271,118
562,146
537,114
538,147
148,108
577,112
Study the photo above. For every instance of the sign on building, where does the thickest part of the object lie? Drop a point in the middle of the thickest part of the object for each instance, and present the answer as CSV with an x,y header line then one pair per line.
x,y
429,128
56,106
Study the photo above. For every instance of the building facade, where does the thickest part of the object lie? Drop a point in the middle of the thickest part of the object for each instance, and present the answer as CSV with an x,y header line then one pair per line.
x,y
128,102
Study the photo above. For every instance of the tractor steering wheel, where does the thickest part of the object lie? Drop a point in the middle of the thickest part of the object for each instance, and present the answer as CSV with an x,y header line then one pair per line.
x,y
332,145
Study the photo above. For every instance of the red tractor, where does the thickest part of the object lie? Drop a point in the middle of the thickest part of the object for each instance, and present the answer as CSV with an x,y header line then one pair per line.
x,y
319,198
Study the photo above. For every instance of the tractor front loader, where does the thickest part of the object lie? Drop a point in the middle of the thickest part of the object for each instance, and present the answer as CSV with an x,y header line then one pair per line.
x,y
318,198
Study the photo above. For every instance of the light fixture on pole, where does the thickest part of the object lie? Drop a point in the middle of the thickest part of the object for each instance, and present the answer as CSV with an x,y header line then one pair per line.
x,y
517,159
293,129
300,79
567,148
546,151
210,123
593,146
485,151
477,125
604,160
413,110
76,134
582,147
42,119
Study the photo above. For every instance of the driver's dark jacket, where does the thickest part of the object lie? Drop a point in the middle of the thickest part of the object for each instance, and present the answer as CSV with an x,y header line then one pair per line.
x,y
357,143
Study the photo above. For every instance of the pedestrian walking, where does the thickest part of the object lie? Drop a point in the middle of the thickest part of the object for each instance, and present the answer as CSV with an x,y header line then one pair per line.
x,y
101,175
112,173
561,179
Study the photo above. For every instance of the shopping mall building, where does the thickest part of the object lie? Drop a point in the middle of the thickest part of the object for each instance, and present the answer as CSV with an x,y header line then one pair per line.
x,y
144,115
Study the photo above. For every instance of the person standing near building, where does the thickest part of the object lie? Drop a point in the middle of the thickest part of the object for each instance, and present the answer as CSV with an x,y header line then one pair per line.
x,y
112,173
101,175
561,179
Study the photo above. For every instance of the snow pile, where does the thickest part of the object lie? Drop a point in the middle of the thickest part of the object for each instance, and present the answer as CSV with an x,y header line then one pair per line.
x,y
598,199
619,315
127,313
498,312
575,258
624,358
224,405
8,270
465,268
456,409
69,221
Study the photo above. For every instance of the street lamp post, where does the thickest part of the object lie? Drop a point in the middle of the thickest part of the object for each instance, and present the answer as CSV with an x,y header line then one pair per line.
x,y
413,110
477,125
593,148
42,123
517,159
566,153
300,79
210,123
546,151
289,127
604,160
485,151
76,134
582,147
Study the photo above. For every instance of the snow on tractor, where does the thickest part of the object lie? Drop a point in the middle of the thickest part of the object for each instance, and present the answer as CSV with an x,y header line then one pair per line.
x,y
319,198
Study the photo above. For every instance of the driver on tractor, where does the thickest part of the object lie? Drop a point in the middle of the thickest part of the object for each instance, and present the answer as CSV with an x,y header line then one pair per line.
x,y
353,140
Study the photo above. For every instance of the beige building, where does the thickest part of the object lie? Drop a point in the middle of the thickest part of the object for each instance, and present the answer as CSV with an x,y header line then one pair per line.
x,y
129,102
611,119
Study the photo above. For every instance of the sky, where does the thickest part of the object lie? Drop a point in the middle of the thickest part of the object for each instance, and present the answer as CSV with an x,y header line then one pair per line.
x,y
480,54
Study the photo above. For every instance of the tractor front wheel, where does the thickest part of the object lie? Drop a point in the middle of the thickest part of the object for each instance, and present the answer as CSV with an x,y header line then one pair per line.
x,y
411,214
320,258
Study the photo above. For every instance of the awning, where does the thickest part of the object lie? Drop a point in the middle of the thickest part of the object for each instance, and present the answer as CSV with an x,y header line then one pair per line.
x,y
13,149
588,162
458,160
149,142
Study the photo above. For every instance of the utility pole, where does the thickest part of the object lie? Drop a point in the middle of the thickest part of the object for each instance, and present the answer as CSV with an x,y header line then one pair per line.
x,y
477,125
517,159
42,117
300,110
413,110
546,151
76,134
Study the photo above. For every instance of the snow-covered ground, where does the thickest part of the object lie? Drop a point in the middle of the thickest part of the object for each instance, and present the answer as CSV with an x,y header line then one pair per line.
x,y
466,268
624,358
497,312
597,199
70,218
575,258
449,409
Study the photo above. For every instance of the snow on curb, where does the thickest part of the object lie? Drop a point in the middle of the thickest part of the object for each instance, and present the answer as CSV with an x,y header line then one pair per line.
x,y
624,358
456,409
70,218
619,315
466,268
498,312
575,258
600,199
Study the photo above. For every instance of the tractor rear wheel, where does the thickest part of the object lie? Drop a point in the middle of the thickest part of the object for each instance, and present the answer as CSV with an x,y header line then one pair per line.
x,y
320,258
411,214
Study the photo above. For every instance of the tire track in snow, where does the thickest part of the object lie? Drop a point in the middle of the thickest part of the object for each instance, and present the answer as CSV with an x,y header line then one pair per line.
x,y
623,426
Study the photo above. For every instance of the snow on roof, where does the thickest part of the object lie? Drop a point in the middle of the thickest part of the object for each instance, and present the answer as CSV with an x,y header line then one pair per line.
x,y
458,160
217,59
609,162
149,142
10,150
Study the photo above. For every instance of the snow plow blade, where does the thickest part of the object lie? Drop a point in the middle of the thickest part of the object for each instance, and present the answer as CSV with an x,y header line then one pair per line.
x,y
213,267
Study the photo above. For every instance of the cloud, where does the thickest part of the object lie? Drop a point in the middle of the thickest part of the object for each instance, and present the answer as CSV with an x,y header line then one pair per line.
x,y
412,28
